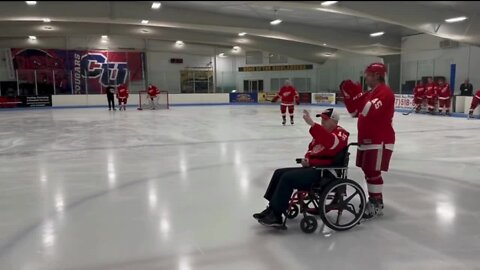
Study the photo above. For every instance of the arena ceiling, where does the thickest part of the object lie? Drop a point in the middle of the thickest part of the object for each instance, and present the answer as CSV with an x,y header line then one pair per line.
x,y
309,30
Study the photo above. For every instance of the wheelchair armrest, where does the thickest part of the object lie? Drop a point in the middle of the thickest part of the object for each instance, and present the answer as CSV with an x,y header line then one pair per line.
x,y
329,168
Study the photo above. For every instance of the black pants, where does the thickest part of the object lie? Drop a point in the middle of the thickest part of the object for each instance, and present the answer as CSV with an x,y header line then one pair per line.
x,y
111,101
285,180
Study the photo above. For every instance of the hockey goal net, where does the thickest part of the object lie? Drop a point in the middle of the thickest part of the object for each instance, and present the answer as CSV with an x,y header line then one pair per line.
x,y
145,102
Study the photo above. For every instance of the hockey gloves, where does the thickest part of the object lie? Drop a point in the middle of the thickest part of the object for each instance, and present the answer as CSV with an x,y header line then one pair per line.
x,y
350,89
352,94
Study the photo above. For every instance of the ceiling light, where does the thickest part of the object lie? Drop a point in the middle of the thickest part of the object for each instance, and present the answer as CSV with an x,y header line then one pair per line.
x,y
242,40
32,37
275,22
144,21
104,37
328,54
456,19
328,3
324,44
236,48
179,43
46,20
222,55
144,30
242,34
156,5
31,3
47,27
377,34
104,41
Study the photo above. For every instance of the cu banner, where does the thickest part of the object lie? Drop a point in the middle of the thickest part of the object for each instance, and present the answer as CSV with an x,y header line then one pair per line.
x,y
404,101
243,97
77,71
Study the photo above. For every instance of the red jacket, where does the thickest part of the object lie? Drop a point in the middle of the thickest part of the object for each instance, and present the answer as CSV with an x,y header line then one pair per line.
x,y
477,94
122,92
375,110
443,92
153,91
430,90
376,117
325,145
288,94
419,91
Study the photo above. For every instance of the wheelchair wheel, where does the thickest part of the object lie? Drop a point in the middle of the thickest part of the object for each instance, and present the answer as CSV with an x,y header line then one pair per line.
x,y
308,224
293,211
342,204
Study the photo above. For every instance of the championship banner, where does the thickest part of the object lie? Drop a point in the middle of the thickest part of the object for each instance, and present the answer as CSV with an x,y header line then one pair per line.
x,y
323,98
275,68
243,97
404,102
266,97
77,71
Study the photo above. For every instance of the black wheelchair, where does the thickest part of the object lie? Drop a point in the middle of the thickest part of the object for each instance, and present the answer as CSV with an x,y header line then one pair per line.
x,y
339,201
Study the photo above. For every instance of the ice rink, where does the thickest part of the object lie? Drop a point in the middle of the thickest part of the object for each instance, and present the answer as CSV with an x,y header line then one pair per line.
x,y
89,189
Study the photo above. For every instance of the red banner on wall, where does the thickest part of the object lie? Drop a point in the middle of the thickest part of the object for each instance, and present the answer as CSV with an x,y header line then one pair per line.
x,y
82,71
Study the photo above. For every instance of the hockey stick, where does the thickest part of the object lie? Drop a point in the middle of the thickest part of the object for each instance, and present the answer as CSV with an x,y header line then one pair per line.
x,y
409,112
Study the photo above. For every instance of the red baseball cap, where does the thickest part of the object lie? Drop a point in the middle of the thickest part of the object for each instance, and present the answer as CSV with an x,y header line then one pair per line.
x,y
379,68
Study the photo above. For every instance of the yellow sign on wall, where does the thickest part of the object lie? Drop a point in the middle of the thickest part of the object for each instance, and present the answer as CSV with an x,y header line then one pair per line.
x,y
275,68
266,97
323,98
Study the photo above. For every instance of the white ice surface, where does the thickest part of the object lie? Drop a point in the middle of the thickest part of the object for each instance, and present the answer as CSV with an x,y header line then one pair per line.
x,y
91,189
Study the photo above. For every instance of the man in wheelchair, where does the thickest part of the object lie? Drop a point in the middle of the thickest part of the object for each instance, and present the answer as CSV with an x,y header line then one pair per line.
x,y
328,139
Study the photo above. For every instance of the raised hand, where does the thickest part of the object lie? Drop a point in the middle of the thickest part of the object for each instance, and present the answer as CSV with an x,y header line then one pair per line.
x,y
308,119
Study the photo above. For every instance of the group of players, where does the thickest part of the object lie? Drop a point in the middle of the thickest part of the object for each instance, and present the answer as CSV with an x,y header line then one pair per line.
x,y
123,94
431,93
439,92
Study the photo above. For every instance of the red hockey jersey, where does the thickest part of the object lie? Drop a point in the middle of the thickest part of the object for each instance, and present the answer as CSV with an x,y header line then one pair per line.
x,y
477,94
443,92
288,94
375,111
153,91
325,145
122,92
376,117
430,90
419,91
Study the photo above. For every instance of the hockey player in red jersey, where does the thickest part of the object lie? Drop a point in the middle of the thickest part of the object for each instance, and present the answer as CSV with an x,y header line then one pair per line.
x,y
444,95
289,97
376,137
153,92
475,102
419,96
122,96
431,95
